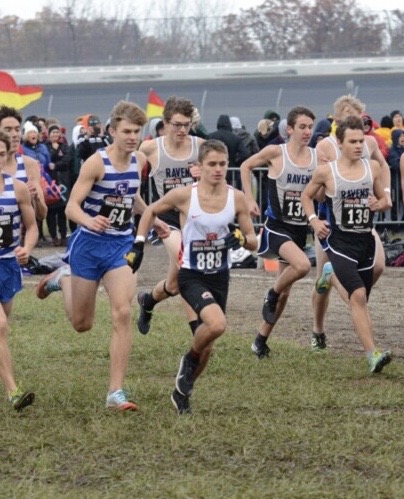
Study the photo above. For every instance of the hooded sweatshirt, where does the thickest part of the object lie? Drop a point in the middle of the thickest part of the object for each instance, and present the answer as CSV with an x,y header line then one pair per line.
x,y
396,151
235,145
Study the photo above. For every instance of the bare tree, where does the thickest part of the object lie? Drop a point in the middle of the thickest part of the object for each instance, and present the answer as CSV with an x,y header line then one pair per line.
x,y
86,33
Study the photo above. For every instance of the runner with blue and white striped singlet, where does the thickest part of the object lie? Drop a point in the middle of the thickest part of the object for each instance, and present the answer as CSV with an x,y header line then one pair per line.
x,y
20,166
15,209
103,201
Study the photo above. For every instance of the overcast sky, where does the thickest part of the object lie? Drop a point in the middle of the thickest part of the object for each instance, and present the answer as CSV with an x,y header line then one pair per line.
x,y
26,9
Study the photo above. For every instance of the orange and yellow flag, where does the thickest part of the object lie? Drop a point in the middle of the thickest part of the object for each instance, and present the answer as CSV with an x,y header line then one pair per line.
x,y
16,96
155,105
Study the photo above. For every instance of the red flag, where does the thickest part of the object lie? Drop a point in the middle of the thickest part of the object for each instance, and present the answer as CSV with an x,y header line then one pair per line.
x,y
155,105
16,96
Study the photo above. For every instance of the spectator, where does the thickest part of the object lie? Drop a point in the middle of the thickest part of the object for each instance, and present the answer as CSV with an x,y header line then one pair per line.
x,y
397,118
267,129
384,130
396,152
368,130
73,164
249,140
321,131
235,145
60,172
281,137
94,137
32,147
198,128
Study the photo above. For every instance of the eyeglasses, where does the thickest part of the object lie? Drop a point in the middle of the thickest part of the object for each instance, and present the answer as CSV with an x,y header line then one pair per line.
x,y
178,126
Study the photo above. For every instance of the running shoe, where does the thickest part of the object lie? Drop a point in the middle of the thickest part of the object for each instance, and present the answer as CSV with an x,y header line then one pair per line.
x,y
118,401
181,402
145,316
378,360
318,342
51,282
323,283
269,308
260,352
186,375
19,399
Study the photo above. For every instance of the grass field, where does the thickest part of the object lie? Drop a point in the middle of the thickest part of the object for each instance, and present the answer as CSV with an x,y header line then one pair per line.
x,y
296,425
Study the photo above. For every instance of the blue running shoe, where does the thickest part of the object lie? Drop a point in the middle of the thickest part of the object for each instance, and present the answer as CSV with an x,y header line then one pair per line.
x,y
323,284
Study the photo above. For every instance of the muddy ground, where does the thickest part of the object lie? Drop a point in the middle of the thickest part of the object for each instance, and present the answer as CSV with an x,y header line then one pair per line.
x,y
247,290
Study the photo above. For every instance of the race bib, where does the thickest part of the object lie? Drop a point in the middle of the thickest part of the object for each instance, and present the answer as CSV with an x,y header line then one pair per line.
x,y
173,183
356,214
208,256
292,207
118,209
6,230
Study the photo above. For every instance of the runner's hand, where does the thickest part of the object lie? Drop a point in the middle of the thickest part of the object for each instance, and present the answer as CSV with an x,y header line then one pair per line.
x,y
135,256
234,239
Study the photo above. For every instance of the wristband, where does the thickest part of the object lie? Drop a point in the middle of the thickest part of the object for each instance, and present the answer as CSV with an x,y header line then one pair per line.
x,y
140,239
312,216
387,189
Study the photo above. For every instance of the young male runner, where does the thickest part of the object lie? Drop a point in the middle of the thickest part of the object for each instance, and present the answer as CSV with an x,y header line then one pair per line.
x,y
290,168
328,150
15,210
354,191
108,185
173,160
205,210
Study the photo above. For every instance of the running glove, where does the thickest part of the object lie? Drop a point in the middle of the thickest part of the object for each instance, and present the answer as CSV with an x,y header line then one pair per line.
x,y
135,256
234,239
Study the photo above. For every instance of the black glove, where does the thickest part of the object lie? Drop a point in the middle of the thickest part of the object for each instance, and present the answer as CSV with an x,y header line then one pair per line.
x,y
234,239
135,256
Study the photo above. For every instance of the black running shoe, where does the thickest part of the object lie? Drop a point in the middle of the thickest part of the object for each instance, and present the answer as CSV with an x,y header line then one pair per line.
x,y
260,352
20,399
181,402
318,342
269,308
186,375
145,316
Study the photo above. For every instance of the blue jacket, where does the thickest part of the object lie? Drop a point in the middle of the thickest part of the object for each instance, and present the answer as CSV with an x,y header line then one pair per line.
x,y
39,152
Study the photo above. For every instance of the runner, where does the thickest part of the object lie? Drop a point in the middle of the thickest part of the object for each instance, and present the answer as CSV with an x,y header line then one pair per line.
x,y
354,191
290,168
173,160
15,209
205,210
108,185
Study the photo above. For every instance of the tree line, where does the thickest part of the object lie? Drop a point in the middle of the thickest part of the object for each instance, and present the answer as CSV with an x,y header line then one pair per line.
x,y
75,33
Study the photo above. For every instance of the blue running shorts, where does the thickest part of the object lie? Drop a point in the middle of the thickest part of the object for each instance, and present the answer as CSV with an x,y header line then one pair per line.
x,y
10,279
91,255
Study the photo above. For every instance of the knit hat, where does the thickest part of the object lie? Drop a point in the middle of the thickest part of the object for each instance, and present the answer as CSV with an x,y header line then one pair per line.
x,y
53,127
29,127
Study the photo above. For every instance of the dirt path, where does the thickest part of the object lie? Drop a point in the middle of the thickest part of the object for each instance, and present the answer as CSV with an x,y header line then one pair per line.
x,y
245,302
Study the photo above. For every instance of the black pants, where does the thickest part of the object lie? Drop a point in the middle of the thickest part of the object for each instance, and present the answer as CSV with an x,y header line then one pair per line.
x,y
56,219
